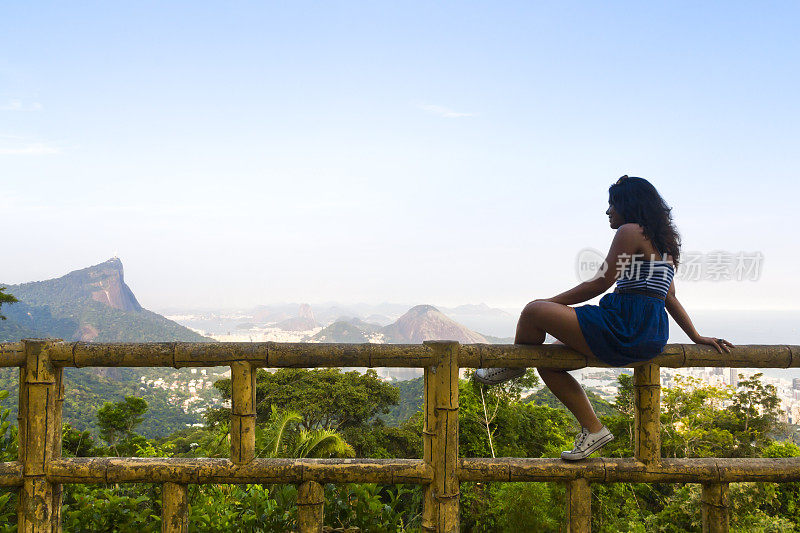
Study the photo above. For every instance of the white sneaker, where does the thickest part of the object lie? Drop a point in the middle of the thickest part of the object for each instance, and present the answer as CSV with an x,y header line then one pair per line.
x,y
495,376
587,443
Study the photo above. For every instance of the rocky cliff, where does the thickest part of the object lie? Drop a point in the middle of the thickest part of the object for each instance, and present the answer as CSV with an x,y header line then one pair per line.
x,y
90,304
106,282
303,322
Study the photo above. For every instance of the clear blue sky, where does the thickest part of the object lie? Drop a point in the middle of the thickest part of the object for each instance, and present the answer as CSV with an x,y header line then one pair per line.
x,y
251,152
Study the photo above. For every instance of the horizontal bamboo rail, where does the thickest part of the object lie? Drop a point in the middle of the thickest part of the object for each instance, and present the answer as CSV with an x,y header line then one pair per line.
x,y
11,474
40,470
411,471
609,470
317,355
208,470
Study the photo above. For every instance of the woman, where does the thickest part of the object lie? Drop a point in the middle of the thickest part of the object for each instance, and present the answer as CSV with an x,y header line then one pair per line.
x,y
629,325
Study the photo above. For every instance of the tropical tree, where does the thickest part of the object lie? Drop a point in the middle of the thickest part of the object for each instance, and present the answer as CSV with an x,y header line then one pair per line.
x,y
5,299
753,415
324,398
691,413
502,394
76,443
284,436
118,419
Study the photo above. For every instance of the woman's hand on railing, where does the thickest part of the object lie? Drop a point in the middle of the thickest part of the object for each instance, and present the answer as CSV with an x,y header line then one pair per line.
x,y
718,343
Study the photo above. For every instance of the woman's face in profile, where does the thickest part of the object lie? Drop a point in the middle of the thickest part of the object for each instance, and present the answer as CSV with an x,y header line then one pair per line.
x,y
614,218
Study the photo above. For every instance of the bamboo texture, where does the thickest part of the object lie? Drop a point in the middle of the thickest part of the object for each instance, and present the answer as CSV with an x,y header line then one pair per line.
x,y
310,507
40,470
11,474
203,470
429,437
312,355
12,354
715,508
39,503
175,508
647,413
243,412
612,470
579,506
441,498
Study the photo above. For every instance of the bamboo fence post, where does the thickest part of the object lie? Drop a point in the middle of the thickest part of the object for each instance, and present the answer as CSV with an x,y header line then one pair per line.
x,y
310,507
39,502
175,508
428,444
647,413
715,508
441,498
579,506
57,442
22,425
243,412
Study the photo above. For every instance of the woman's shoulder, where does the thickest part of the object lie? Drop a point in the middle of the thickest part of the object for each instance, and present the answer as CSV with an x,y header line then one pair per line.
x,y
636,237
631,226
631,229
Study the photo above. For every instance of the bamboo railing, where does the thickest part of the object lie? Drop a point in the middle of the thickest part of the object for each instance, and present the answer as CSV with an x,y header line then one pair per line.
x,y
40,469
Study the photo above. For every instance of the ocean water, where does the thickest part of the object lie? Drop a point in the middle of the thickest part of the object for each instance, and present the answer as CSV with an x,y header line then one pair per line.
x,y
746,327
739,326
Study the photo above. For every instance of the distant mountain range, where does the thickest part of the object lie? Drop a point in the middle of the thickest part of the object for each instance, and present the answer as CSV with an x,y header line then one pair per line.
x,y
91,304
95,304
477,317
420,323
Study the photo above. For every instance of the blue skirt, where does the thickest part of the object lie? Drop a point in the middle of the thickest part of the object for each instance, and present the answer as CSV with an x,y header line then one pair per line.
x,y
625,327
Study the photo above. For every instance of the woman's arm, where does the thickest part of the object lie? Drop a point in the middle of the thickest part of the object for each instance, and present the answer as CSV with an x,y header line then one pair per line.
x,y
681,317
580,293
622,249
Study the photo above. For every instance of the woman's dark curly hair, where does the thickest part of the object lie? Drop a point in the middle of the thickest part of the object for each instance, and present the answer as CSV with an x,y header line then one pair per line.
x,y
638,201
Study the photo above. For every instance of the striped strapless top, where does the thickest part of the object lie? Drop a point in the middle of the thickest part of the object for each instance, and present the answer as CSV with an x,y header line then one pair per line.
x,y
651,276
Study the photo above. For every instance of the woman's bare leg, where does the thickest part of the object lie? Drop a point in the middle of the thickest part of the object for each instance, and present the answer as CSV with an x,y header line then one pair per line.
x,y
561,321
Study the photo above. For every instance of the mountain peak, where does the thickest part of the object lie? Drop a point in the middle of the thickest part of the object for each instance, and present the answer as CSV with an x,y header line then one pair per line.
x,y
90,304
425,322
303,322
106,284
422,309
114,262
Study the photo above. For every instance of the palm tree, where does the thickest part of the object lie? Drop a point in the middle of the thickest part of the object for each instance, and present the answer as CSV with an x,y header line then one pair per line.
x,y
282,438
